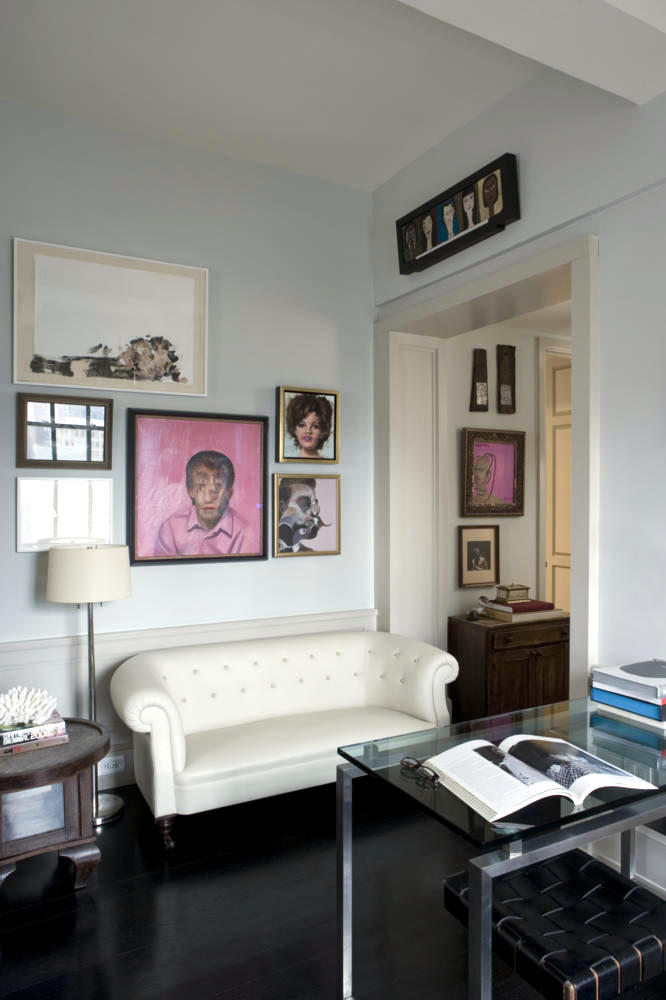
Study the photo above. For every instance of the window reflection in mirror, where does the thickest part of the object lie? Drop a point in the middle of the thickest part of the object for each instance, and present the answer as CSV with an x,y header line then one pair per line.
x,y
65,431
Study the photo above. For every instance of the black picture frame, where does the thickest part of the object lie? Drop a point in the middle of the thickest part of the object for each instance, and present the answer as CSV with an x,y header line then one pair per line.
x,y
49,423
164,511
450,233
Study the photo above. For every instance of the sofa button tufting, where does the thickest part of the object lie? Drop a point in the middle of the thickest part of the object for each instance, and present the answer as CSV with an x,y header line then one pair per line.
x,y
311,656
213,694
183,700
300,680
196,670
337,652
328,677
356,673
416,659
226,666
382,676
397,652
243,691
284,659
164,677
369,652
273,685
402,680
255,663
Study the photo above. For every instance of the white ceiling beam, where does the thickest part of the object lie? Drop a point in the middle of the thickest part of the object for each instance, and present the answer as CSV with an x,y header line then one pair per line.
x,y
610,44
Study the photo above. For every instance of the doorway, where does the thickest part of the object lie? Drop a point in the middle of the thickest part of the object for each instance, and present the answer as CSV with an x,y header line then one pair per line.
x,y
410,364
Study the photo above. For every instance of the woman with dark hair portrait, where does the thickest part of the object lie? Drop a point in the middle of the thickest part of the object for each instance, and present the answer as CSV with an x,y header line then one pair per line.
x,y
470,216
448,221
428,227
309,421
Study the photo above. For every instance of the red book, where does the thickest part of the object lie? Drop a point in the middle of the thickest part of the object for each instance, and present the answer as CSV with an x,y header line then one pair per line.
x,y
521,606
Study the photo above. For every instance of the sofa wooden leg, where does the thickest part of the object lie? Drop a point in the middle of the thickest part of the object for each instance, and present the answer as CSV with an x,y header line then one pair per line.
x,y
165,826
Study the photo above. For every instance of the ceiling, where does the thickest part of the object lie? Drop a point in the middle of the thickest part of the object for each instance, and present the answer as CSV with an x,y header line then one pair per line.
x,y
349,91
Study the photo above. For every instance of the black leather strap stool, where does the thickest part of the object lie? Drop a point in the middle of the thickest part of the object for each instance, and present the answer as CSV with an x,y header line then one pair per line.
x,y
572,927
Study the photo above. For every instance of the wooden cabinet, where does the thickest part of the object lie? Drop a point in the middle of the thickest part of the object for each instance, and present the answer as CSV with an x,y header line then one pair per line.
x,y
504,666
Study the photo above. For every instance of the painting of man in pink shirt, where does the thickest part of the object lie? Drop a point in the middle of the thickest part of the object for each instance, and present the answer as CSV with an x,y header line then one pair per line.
x,y
211,527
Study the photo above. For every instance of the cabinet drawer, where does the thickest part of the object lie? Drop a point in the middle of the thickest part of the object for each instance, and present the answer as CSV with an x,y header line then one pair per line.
x,y
532,636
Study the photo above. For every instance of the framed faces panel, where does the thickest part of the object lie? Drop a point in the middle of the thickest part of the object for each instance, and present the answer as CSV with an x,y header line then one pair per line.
x,y
493,472
83,318
306,515
65,432
470,211
478,555
197,486
307,425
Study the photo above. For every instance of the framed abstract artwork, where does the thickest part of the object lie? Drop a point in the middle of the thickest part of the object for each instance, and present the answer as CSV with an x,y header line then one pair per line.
x,y
83,318
306,515
197,487
307,423
66,432
478,555
493,472
477,207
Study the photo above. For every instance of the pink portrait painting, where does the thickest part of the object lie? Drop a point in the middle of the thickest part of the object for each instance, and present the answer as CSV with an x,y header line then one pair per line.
x,y
494,472
198,487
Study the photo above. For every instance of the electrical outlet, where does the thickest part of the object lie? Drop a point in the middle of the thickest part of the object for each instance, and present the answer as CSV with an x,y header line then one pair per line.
x,y
112,762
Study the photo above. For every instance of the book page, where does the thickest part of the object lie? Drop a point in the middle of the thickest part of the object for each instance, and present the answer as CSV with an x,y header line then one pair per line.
x,y
498,780
570,767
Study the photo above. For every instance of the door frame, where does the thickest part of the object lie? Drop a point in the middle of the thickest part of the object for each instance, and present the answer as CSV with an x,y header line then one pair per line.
x,y
568,271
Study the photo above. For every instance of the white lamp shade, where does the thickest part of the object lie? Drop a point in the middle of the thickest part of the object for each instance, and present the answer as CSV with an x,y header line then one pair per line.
x,y
88,574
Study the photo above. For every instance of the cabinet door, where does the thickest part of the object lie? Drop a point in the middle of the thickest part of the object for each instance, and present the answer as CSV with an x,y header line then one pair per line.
x,y
509,685
550,675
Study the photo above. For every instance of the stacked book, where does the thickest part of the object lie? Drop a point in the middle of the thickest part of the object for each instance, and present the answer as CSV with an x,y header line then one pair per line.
x,y
635,693
48,734
519,611
629,740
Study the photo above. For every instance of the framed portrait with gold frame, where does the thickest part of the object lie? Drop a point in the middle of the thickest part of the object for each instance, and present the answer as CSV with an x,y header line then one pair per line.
x,y
306,515
307,425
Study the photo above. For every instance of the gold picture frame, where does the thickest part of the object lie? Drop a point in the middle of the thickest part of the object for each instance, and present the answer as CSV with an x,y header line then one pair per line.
x,y
307,424
306,515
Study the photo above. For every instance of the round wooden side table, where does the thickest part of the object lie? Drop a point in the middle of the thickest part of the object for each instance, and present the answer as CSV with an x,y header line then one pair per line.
x,y
46,801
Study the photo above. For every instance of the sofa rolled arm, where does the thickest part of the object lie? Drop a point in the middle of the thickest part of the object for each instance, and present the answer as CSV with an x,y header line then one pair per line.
x,y
411,676
139,707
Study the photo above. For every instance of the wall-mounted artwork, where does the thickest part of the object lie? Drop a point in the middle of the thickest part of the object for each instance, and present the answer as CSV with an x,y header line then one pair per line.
x,y
101,321
196,487
307,425
493,472
478,400
73,511
475,208
306,515
506,378
478,555
66,432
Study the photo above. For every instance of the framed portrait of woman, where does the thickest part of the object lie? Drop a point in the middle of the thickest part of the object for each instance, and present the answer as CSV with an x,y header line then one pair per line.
x,y
493,473
307,425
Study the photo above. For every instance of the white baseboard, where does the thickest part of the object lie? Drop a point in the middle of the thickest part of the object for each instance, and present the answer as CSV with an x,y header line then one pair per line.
x,y
61,665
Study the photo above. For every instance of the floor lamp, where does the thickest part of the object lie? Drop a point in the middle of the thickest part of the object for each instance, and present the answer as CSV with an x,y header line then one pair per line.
x,y
90,574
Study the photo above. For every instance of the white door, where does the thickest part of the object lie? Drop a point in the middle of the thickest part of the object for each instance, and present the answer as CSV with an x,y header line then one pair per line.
x,y
558,479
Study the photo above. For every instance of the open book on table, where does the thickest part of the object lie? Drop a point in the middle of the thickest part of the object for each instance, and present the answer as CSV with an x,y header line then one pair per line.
x,y
498,780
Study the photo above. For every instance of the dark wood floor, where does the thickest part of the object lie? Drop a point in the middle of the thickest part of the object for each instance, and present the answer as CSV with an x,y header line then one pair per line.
x,y
245,909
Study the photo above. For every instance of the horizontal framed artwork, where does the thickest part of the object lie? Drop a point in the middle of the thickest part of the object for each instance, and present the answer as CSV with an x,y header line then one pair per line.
x,y
478,555
307,425
472,210
493,472
197,487
306,515
83,318
65,432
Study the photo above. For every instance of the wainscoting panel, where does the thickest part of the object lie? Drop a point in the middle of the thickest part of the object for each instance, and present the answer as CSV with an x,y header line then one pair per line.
x,y
61,665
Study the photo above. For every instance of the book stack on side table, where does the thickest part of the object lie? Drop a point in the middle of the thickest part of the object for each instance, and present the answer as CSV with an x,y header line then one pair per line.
x,y
635,693
519,611
53,732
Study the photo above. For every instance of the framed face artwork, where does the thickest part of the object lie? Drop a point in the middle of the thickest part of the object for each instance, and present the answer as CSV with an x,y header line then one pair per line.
x,y
307,424
478,555
67,432
306,515
493,472
197,486
83,318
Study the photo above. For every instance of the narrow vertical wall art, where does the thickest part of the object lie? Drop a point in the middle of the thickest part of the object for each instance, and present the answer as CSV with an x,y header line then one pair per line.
x,y
506,378
479,396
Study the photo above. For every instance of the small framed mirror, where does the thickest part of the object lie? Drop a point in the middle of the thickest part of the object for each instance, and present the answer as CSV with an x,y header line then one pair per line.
x,y
65,432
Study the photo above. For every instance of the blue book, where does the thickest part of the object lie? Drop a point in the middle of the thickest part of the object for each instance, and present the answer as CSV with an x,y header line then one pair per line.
x,y
644,708
630,733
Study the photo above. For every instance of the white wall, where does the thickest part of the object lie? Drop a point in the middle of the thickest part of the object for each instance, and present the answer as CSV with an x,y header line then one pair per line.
x,y
518,535
579,149
289,303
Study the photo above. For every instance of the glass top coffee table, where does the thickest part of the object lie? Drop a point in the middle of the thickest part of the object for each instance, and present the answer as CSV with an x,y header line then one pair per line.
x,y
534,834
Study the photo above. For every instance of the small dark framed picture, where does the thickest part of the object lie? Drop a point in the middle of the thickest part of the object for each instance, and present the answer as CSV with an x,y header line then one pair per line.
x,y
64,432
493,473
306,515
196,487
307,425
478,555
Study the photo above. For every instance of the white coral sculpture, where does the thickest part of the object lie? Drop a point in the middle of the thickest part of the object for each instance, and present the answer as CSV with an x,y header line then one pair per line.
x,y
22,706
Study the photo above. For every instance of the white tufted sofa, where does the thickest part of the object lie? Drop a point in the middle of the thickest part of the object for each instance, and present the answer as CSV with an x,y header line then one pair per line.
x,y
228,722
